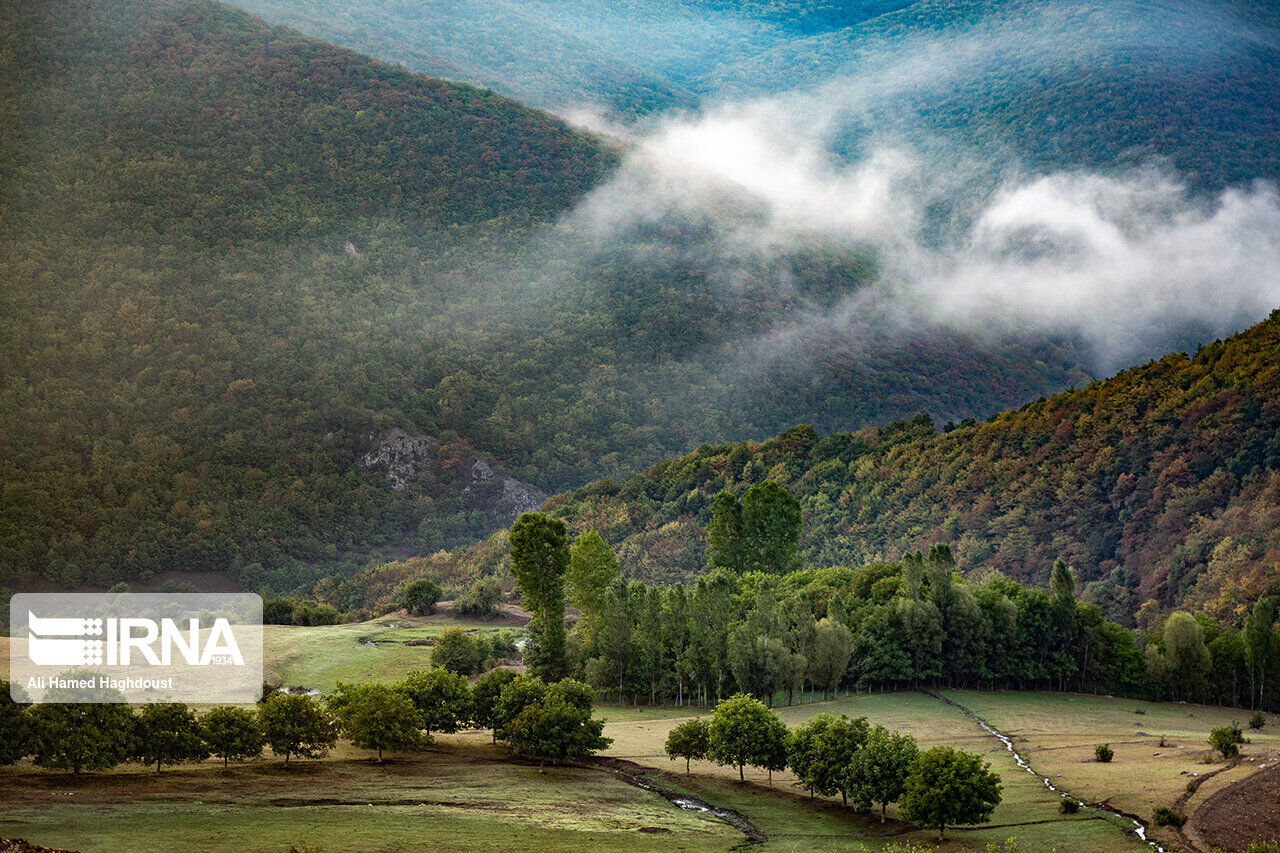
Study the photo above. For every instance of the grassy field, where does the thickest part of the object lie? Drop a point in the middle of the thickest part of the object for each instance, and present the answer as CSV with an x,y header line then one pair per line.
x,y
461,796
320,657
465,795
1028,813
1057,733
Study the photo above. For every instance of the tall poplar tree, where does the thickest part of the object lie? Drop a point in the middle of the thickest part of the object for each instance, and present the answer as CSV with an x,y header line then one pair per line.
x,y
539,561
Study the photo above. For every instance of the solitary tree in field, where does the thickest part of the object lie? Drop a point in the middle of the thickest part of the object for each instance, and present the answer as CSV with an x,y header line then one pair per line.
x,y
296,725
376,717
689,740
743,731
169,733
878,772
442,698
539,560
948,786
232,733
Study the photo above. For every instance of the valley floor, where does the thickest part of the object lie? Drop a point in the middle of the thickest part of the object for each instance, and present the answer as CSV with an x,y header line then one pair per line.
x,y
464,795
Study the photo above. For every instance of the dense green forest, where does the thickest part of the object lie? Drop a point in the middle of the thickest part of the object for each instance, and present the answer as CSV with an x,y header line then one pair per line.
x,y
1160,486
1054,84
890,625
235,259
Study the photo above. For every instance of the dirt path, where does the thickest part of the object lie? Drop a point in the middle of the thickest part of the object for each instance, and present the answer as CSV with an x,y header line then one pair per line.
x,y
1243,812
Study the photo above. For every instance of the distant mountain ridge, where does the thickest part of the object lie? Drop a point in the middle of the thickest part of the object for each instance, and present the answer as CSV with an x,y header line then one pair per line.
x,y
1054,83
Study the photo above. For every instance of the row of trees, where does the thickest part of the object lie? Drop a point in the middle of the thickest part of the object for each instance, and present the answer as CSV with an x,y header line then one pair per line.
x,y
771,634
534,719
830,754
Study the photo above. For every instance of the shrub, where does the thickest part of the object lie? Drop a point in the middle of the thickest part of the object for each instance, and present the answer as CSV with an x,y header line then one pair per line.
x,y
1263,847
457,651
1258,720
481,599
1104,753
1227,740
420,597
1168,817
1069,806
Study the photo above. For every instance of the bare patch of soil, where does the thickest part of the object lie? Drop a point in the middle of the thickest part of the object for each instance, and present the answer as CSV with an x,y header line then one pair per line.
x,y
1246,811
17,845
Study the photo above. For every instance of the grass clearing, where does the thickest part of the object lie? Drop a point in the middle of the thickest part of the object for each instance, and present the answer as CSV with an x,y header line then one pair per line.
x,y
375,651
461,796
1057,733
1029,811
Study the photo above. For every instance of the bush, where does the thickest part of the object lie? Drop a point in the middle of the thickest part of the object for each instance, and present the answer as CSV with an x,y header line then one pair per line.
x,y
420,597
457,651
1069,806
1263,847
1168,817
1104,753
504,645
1258,720
481,599
1227,740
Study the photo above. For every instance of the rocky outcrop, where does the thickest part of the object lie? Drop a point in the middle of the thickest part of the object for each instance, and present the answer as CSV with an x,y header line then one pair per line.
x,y
406,458
419,461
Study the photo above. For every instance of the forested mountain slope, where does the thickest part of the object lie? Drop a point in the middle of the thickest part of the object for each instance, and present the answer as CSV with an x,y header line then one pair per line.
x,y
183,383
1053,82
1161,484
236,261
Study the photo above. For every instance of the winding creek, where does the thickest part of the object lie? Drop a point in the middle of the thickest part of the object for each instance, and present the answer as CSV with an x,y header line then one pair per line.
x,y
1139,829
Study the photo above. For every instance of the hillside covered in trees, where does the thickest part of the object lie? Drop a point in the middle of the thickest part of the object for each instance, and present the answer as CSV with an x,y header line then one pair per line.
x,y
1069,82
235,261
1160,486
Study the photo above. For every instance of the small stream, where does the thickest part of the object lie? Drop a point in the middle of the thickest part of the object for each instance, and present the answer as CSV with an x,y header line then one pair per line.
x,y
1138,828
